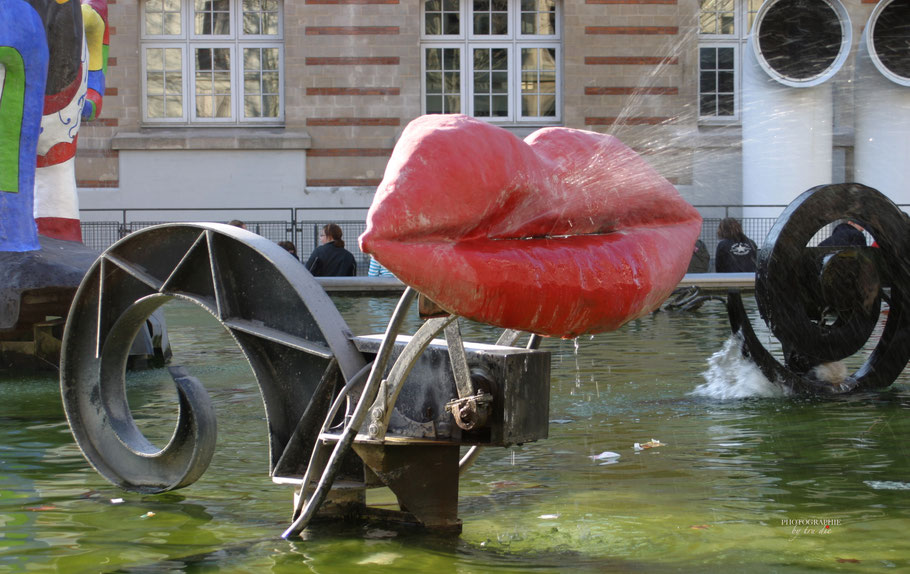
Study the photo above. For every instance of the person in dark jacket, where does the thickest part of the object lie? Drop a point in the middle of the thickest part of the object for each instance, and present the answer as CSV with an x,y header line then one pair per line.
x,y
701,259
846,233
331,259
735,252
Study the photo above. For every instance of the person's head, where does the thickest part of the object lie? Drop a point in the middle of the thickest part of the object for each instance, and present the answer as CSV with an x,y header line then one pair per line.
x,y
331,233
729,228
237,223
289,247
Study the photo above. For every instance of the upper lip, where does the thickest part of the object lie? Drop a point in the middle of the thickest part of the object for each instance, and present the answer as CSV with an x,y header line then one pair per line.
x,y
564,233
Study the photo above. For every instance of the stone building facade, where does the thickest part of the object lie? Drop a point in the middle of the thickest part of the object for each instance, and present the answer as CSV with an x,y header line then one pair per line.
x,y
298,103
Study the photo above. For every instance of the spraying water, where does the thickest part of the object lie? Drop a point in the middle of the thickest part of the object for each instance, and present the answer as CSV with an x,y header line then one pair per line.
x,y
732,376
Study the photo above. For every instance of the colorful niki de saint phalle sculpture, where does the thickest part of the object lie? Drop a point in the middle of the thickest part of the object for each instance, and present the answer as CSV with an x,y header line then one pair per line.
x,y
564,233
53,55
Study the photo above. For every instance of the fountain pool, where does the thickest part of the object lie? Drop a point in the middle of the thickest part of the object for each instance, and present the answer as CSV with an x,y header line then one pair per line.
x,y
760,482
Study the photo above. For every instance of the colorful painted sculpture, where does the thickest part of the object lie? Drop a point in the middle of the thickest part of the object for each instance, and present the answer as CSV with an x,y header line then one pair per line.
x,y
97,41
564,233
49,61
23,64
51,77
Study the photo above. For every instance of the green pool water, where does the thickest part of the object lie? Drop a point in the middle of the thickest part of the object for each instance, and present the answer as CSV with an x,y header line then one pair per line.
x,y
753,484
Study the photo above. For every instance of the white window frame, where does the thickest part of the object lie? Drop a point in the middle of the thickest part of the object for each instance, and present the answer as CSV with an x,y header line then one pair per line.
x,y
233,30
145,35
558,104
738,41
737,83
442,37
510,70
184,82
242,70
236,41
467,40
468,23
737,24
232,119
516,23
423,67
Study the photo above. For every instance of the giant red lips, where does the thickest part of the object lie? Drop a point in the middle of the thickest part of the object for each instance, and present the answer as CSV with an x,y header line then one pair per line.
x,y
565,233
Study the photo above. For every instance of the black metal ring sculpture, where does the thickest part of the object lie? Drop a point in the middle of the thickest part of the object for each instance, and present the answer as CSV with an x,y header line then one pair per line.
x,y
287,327
799,289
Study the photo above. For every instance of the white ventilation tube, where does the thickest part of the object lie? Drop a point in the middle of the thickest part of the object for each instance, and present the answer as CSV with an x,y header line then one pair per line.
x,y
882,101
795,48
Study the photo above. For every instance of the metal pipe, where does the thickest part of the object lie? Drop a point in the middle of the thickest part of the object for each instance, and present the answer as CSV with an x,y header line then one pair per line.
x,y
312,503
882,101
795,48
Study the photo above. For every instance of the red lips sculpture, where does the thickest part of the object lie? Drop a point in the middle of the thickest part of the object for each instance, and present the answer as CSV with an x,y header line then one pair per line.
x,y
565,233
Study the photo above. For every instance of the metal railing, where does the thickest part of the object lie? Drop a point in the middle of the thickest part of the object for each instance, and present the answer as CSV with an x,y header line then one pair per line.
x,y
303,226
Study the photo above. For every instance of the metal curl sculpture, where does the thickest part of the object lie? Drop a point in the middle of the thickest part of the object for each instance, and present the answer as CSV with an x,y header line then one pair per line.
x,y
295,354
823,303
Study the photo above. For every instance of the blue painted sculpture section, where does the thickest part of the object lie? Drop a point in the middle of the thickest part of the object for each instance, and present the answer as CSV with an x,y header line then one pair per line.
x,y
24,64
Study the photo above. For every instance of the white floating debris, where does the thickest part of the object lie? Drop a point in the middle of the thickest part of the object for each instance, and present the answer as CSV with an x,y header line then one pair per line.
x,y
605,455
653,443
548,516
116,501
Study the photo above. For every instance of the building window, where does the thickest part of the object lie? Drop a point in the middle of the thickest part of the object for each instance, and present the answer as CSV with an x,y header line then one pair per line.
x,y
493,59
212,62
717,81
723,27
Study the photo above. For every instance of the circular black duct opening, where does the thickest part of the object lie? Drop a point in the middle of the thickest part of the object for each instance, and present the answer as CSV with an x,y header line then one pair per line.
x,y
800,39
891,37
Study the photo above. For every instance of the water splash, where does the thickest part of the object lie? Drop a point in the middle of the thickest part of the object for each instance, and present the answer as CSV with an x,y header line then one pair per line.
x,y
732,376
577,366
658,142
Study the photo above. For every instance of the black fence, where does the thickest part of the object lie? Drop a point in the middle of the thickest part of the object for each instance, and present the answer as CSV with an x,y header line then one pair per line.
x,y
305,233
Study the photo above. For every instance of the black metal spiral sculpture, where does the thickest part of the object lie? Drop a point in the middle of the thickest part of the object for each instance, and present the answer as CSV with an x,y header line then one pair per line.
x,y
823,303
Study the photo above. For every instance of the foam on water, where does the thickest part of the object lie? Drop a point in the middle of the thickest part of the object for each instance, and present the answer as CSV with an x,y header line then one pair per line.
x,y
732,376
887,485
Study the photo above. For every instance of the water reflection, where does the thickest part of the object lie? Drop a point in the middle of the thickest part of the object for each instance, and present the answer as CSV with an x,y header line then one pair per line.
x,y
727,487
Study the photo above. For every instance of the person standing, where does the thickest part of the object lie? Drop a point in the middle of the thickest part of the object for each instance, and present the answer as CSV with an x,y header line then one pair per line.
x,y
701,259
331,259
847,233
377,269
735,252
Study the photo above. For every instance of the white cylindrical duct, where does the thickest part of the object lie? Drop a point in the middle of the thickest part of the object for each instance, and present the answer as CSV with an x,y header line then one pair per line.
x,y
882,101
795,47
